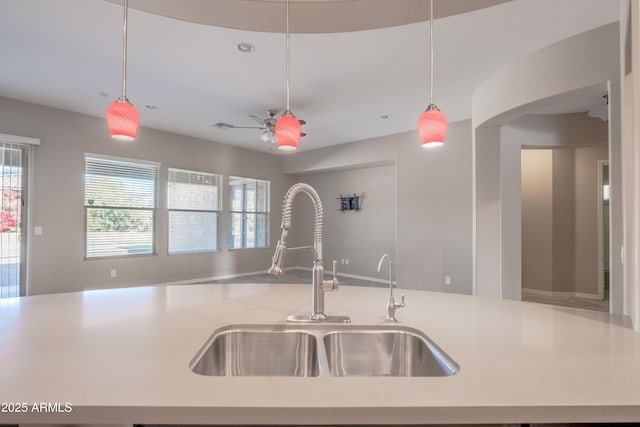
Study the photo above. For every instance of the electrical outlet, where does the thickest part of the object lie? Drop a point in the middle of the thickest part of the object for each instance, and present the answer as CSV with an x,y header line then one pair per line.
x,y
114,273
447,280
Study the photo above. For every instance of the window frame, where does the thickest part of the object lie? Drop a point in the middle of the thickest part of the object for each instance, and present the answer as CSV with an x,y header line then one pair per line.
x,y
154,210
244,213
219,186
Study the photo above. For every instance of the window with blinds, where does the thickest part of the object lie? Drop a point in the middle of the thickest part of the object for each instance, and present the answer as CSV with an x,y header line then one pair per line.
x,y
248,213
194,209
120,198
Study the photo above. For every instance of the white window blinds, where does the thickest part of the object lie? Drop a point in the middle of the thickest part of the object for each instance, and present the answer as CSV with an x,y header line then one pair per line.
x,y
194,209
120,206
248,213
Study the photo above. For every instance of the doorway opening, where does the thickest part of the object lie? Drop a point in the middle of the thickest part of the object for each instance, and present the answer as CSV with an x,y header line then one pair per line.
x,y
565,226
13,230
603,230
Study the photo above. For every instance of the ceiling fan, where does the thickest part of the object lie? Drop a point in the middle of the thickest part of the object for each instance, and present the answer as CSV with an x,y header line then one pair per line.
x,y
267,125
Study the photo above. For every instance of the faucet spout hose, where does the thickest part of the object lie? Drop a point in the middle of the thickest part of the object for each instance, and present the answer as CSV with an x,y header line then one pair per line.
x,y
318,213
388,258
318,284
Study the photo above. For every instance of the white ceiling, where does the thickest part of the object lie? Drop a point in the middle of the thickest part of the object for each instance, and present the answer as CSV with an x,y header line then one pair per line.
x,y
64,53
307,16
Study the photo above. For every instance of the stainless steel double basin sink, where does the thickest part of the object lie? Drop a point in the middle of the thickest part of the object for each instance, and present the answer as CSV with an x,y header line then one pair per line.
x,y
321,351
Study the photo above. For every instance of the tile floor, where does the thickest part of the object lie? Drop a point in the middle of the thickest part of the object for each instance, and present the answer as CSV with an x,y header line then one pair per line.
x,y
296,276
575,302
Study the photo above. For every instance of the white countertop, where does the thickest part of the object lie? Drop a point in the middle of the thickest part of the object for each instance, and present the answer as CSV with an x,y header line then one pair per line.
x,y
122,356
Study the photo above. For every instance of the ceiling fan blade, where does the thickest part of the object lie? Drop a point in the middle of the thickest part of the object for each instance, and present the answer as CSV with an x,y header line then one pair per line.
x,y
257,118
222,125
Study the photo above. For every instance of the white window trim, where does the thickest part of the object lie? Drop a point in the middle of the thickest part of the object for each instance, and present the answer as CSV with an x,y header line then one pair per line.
x,y
122,159
155,209
267,213
15,139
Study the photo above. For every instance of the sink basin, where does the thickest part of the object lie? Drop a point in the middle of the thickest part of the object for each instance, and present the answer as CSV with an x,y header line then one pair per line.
x,y
258,351
394,353
325,350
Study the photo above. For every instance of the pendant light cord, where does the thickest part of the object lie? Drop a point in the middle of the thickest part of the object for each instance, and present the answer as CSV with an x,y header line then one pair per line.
x,y
287,56
124,52
430,51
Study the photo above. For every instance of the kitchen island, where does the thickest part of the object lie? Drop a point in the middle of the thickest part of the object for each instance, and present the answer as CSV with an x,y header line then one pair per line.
x,y
123,355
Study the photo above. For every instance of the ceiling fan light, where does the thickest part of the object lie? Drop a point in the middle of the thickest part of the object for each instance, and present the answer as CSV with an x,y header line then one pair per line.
x,y
267,136
123,120
287,131
432,127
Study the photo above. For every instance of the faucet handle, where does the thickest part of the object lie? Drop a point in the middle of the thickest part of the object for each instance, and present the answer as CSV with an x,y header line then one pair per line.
x,y
333,284
401,301
391,308
335,281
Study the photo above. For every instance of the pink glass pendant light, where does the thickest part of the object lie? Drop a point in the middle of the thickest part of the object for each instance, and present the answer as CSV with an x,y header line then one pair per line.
x,y
123,120
432,124
122,117
287,129
432,127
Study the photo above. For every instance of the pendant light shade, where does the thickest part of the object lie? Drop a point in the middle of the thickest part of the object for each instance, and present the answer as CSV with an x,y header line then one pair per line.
x,y
287,131
432,124
122,117
432,127
123,120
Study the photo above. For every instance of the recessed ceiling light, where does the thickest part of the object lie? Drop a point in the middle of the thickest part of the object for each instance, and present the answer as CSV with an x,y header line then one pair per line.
x,y
385,116
245,47
151,106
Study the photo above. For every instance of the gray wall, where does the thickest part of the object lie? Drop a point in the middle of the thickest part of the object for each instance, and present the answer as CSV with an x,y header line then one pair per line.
x,y
56,263
433,202
564,228
361,237
537,219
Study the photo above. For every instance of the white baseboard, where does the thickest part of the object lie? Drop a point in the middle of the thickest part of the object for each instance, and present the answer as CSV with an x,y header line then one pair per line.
x,y
252,273
555,294
212,278
351,276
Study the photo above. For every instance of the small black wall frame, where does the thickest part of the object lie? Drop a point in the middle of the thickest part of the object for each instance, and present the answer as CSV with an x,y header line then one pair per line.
x,y
349,203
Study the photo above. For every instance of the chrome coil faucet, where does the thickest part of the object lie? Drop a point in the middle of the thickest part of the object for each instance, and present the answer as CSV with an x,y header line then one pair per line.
x,y
391,304
318,284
